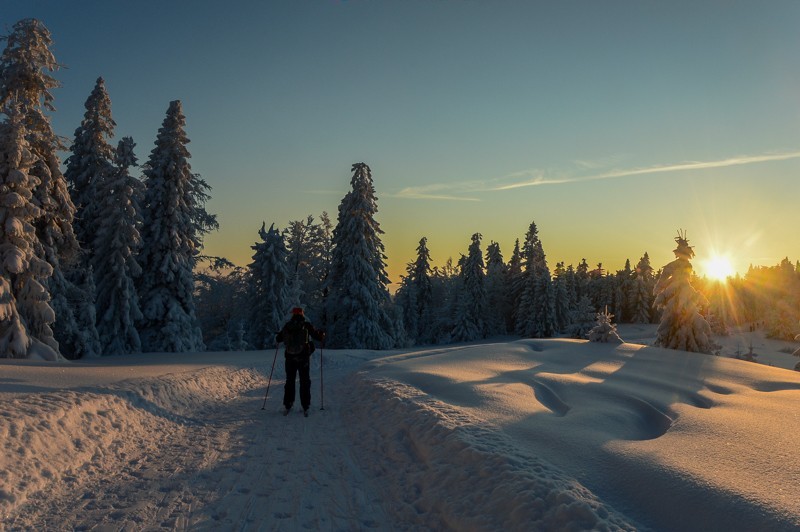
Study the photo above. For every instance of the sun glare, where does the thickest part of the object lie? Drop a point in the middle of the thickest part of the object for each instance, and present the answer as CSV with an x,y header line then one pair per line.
x,y
718,268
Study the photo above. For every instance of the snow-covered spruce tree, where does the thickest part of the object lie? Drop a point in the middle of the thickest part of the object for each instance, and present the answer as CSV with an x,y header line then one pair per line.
x,y
416,297
90,164
497,290
358,297
444,284
25,83
223,304
269,277
471,315
642,291
535,313
116,244
682,326
175,221
561,302
308,243
25,313
604,330
583,319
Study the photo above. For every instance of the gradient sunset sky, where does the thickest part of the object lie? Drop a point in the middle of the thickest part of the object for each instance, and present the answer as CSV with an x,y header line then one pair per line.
x,y
610,124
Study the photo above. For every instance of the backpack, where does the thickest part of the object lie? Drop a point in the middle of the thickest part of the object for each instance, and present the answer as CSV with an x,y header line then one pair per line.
x,y
295,337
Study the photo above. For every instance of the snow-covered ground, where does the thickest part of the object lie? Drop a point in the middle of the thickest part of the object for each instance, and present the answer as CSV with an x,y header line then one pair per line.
x,y
515,435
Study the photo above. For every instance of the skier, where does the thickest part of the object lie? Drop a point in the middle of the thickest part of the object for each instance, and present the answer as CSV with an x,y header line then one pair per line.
x,y
295,336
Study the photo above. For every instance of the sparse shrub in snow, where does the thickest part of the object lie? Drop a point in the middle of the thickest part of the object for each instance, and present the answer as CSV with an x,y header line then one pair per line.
x,y
682,326
604,330
358,299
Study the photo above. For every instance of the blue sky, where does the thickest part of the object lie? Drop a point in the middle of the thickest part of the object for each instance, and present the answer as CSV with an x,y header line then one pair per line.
x,y
610,124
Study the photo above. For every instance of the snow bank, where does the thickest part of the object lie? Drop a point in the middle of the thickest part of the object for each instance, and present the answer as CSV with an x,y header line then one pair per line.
x,y
448,470
58,438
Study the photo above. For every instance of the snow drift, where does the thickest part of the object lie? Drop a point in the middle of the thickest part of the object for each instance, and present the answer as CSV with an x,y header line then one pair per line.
x,y
524,435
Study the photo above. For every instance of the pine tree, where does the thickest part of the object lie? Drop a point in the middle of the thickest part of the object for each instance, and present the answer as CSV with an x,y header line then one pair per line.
x,y
358,297
514,285
174,222
308,243
643,285
25,314
471,317
415,297
117,243
535,313
604,330
223,302
561,304
682,326
583,319
90,164
25,84
496,290
270,299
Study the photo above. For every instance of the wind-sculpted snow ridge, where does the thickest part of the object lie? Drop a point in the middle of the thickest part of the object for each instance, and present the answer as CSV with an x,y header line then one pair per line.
x,y
448,470
58,440
671,440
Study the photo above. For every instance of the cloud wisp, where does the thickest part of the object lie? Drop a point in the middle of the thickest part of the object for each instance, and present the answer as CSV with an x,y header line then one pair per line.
x,y
532,178
688,166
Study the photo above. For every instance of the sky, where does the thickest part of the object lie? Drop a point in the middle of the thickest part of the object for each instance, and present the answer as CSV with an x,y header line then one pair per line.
x,y
610,125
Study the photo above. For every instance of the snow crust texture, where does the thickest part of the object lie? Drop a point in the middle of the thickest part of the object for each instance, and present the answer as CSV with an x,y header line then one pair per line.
x,y
549,434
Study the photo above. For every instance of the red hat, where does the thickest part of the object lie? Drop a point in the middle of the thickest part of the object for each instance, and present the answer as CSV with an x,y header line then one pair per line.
x,y
297,311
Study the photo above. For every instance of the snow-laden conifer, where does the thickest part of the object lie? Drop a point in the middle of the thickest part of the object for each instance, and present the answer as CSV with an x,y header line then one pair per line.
x,y
535,313
117,243
682,326
470,322
175,221
497,290
583,319
90,164
358,296
25,84
25,313
415,297
642,291
309,245
561,303
604,330
270,298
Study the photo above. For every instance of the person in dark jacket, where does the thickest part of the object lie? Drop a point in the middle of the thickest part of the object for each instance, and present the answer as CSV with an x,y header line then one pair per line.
x,y
296,336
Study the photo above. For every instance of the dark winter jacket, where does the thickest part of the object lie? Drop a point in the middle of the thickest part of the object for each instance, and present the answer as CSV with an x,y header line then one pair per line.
x,y
312,333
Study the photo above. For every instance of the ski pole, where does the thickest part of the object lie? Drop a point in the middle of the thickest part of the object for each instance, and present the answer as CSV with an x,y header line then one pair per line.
x,y
270,376
321,382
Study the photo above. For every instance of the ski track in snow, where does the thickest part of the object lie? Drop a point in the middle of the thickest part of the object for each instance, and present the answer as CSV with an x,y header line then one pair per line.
x,y
222,464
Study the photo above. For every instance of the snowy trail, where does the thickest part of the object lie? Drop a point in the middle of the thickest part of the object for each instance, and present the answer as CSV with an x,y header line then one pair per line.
x,y
222,463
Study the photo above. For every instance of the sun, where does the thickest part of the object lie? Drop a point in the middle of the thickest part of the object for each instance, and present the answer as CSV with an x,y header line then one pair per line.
x,y
718,268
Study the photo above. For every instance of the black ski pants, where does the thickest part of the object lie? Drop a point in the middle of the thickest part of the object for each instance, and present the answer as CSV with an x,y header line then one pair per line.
x,y
294,366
